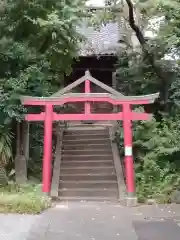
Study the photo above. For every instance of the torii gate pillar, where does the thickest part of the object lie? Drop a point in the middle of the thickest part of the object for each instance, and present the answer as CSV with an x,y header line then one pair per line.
x,y
129,165
47,158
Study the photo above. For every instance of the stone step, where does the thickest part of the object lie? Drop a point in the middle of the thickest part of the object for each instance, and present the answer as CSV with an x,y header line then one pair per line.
x,y
90,163
89,170
84,131
87,152
86,141
88,184
87,157
86,136
88,192
97,125
89,199
86,146
88,177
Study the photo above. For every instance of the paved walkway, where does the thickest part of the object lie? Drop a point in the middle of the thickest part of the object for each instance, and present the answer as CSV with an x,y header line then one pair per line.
x,y
94,221
16,227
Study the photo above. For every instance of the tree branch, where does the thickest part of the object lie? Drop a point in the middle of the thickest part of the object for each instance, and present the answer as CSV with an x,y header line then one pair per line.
x,y
151,57
133,25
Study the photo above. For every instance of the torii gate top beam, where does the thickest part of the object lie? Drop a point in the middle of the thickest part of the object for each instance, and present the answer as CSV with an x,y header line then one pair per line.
x,y
113,97
88,97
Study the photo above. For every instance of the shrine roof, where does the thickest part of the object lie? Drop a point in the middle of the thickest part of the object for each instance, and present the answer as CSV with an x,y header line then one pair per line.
x,y
101,41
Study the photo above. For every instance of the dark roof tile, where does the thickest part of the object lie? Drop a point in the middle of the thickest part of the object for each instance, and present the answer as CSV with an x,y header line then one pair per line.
x,y
103,41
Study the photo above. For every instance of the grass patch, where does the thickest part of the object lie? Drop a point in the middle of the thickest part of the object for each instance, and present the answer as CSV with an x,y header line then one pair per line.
x,y
23,199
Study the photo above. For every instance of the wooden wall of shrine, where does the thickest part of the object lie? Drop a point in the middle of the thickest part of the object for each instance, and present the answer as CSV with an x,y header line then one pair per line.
x,y
100,68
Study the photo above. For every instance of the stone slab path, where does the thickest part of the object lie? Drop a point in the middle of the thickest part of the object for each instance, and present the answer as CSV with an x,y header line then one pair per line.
x,y
157,230
94,221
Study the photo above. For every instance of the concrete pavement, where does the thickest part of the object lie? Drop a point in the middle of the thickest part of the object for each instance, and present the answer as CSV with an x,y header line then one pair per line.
x,y
15,226
94,221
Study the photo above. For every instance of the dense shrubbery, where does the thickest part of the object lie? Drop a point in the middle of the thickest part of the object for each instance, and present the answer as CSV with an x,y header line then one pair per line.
x,y
157,155
155,143
156,152
38,41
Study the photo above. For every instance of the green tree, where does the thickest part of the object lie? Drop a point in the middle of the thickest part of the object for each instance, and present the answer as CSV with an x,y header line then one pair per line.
x,y
156,143
38,41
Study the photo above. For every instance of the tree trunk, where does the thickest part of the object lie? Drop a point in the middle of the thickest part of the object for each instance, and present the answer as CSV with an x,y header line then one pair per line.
x,y
25,140
3,176
20,160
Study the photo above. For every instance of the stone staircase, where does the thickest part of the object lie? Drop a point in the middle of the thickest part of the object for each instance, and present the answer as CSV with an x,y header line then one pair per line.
x,y
87,170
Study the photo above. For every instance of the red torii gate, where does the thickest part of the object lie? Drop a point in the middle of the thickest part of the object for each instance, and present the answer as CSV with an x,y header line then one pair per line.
x,y
113,97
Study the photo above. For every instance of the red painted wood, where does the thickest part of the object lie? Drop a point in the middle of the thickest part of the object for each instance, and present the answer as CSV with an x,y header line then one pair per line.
x,y
87,107
100,117
47,149
35,117
134,116
81,117
83,99
129,165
